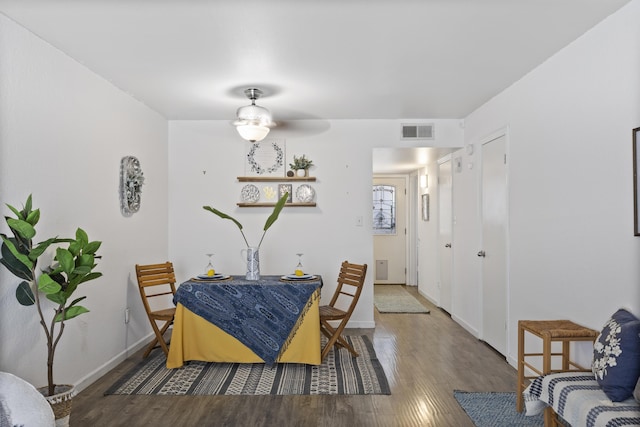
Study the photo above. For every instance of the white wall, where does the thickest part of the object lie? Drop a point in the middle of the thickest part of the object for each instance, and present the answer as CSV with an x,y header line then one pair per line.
x,y
326,234
63,131
573,254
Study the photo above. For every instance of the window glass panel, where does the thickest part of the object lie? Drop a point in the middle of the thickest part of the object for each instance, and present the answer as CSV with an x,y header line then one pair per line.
x,y
384,209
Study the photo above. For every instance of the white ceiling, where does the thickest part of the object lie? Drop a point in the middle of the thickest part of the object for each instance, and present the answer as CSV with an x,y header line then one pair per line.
x,y
314,59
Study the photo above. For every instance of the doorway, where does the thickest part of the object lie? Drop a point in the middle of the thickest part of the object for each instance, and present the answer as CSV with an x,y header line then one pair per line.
x,y
390,228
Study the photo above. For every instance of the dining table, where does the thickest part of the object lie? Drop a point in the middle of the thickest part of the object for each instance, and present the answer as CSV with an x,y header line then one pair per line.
x,y
274,319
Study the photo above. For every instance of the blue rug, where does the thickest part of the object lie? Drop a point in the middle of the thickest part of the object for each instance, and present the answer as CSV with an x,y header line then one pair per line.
x,y
495,410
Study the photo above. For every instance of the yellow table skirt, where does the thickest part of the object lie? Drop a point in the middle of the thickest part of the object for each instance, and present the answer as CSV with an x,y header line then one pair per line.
x,y
194,338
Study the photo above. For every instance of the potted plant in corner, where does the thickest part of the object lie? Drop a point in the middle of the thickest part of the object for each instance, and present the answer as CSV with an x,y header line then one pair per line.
x,y
301,165
49,287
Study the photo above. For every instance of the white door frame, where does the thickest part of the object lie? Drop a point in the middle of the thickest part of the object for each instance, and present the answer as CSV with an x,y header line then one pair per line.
x,y
495,135
412,230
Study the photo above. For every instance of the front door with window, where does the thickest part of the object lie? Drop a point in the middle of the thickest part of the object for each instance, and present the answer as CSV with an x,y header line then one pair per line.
x,y
389,229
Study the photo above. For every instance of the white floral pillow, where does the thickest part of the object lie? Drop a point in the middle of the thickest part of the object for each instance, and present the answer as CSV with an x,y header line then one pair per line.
x,y
616,356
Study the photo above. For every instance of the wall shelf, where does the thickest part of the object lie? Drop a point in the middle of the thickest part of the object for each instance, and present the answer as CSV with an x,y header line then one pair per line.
x,y
290,182
266,205
276,178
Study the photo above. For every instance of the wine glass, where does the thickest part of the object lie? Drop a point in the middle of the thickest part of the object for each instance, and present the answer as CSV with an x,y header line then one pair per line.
x,y
209,270
299,269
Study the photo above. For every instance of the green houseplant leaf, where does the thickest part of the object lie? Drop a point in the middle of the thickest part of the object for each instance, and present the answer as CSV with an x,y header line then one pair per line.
x,y
23,228
274,215
65,258
20,257
24,294
272,218
16,267
47,285
35,253
222,215
276,211
225,216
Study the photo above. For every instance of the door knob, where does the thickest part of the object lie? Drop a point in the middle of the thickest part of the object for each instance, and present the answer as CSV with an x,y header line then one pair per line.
x,y
448,245
481,254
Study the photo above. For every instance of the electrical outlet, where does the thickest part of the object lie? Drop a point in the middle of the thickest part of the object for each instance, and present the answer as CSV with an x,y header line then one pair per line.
x,y
358,221
126,315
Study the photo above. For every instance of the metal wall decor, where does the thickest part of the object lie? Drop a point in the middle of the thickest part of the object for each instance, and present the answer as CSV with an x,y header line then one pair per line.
x,y
131,180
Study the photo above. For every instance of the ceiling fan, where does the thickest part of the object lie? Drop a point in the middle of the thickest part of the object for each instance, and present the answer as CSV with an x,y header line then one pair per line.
x,y
253,122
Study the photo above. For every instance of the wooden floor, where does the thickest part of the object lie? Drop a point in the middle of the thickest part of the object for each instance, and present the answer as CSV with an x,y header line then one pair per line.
x,y
425,357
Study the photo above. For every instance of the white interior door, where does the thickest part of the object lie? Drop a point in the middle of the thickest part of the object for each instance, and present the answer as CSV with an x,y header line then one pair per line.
x,y
389,250
494,240
445,233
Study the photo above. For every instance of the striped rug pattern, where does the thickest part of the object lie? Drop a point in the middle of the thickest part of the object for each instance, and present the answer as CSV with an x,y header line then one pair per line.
x,y
495,409
340,373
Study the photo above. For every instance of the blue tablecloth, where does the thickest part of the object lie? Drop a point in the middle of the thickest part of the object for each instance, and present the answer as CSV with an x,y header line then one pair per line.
x,y
260,314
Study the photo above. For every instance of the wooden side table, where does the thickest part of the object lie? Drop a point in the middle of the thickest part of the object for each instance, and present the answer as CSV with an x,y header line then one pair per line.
x,y
549,331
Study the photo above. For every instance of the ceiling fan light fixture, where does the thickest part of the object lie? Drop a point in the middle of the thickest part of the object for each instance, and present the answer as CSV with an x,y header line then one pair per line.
x,y
253,121
252,133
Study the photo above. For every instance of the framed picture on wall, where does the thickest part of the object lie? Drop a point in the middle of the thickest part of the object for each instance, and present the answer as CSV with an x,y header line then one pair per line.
x,y
425,207
636,184
265,158
283,189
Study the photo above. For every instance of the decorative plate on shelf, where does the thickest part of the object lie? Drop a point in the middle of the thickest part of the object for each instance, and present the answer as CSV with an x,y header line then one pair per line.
x,y
305,193
250,193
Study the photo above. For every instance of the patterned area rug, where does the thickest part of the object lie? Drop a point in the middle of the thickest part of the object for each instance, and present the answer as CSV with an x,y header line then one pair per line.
x,y
395,299
340,373
495,410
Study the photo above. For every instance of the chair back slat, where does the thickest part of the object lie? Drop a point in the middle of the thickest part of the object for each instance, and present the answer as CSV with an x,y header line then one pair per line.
x,y
159,294
352,276
155,275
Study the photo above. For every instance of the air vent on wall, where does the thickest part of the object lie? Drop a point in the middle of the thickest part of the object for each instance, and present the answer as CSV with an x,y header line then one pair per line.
x,y
422,131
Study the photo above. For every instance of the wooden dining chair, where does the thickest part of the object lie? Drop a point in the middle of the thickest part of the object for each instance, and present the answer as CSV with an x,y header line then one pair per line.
x,y
350,283
157,280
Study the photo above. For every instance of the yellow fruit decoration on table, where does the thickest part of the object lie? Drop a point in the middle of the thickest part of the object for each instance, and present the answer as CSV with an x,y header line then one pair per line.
x,y
211,272
298,272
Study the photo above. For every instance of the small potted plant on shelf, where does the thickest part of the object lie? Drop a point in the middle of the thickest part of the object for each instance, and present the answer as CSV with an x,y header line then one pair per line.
x,y
70,267
301,165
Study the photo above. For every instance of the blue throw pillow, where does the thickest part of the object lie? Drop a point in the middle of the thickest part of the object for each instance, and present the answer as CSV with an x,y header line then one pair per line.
x,y
616,356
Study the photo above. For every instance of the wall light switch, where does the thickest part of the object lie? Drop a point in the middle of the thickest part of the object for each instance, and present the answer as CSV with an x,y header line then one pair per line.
x,y
358,221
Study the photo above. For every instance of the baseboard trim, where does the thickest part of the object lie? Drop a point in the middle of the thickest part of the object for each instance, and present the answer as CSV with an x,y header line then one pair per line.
x,y
367,324
428,297
99,372
473,331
